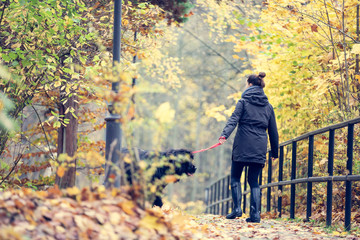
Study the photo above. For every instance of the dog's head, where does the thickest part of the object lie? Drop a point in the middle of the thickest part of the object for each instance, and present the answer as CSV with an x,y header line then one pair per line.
x,y
183,160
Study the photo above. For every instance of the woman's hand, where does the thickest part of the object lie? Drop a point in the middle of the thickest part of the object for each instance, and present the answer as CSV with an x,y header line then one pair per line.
x,y
222,139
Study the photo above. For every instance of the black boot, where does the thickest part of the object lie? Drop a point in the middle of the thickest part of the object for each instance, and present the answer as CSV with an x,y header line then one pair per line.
x,y
236,196
254,206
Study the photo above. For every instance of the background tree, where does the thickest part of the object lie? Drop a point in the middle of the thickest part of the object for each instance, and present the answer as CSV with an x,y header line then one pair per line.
x,y
62,55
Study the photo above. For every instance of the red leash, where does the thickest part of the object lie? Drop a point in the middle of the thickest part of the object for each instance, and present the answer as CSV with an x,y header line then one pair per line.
x,y
203,150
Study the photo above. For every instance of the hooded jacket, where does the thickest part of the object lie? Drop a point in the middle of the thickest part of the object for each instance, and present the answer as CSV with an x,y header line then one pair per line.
x,y
253,115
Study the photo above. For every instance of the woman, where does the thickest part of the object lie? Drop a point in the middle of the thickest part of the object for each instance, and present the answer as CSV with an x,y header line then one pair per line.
x,y
253,115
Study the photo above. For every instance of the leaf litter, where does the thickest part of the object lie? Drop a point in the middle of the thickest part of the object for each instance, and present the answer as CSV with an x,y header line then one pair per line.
x,y
88,214
98,213
267,229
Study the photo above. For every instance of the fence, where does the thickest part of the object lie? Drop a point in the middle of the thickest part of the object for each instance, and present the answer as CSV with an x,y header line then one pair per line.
x,y
217,195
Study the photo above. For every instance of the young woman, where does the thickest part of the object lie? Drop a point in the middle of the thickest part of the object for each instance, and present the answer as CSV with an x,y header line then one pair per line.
x,y
253,115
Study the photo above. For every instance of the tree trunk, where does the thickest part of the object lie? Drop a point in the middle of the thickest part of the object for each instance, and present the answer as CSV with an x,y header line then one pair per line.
x,y
67,143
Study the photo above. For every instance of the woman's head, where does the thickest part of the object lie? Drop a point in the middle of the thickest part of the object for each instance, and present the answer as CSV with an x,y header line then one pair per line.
x,y
257,80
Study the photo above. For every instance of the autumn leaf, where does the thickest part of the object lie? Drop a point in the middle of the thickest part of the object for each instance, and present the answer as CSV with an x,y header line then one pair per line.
x,y
127,159
152,222
115,218
170,178
357,77
142,164
127,206
314,28
61,171
73,191
153,189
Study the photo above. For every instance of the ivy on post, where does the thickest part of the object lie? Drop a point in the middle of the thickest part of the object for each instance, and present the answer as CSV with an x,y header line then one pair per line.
x,y
113,128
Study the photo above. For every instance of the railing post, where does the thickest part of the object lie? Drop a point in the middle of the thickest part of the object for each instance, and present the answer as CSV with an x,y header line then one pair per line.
x,y
207,199
268,202
244,196
218,197
227,194
281,166
215,193
330,183
349,183
211,198
223,189
310,174
215,196
293,176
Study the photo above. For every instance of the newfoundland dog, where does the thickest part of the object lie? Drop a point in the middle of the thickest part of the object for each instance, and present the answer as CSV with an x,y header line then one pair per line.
x,y
162,168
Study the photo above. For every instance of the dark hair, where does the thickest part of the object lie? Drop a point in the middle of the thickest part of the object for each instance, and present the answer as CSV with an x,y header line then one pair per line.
x,y
257,80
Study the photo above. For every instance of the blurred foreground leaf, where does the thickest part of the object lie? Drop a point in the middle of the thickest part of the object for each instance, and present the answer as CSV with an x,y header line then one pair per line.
x,y
6,123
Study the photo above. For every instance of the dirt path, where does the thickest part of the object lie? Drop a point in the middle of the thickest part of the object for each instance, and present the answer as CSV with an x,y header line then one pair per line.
x,y
218,227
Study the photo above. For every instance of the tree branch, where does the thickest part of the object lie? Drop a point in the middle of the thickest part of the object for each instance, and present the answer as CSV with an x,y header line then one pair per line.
x,y
47,140
321,21
216,52
13,168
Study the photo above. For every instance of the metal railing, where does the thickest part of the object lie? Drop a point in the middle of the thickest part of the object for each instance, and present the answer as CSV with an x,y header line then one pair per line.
x,y
217,195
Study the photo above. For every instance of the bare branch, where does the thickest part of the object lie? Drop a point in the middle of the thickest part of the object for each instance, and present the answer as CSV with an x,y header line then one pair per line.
x,y
41,124
13,168
216,52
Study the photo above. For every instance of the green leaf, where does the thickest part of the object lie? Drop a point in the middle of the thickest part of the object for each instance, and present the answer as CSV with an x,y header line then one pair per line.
x,y
57,124
142,5
6,58
67,70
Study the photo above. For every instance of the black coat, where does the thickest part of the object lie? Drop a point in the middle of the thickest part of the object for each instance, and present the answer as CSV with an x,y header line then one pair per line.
x,y
253,115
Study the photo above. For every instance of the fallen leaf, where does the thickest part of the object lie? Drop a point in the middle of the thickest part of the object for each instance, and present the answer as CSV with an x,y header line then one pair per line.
x,y
127,206
73,191
151,222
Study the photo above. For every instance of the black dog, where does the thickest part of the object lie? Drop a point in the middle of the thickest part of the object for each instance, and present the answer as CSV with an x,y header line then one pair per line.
x,y
174,162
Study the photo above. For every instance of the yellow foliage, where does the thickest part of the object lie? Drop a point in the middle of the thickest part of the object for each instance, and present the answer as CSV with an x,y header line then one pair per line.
x,y
164,113
93,158
301,62
215,112
356,49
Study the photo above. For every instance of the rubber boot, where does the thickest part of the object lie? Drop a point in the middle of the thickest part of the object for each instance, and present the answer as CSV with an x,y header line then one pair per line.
x,y
236,196
254,206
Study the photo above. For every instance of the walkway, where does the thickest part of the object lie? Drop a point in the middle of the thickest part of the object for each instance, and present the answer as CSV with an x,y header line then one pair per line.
x,y
218,227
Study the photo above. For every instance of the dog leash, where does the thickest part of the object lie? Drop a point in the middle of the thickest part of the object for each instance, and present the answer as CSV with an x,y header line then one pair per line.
x,y
203,150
